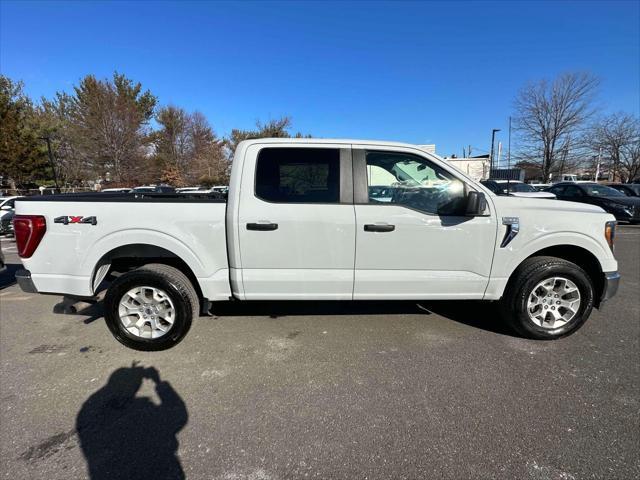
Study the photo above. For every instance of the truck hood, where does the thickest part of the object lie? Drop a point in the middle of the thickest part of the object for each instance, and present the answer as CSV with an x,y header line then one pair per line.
x,y
532,194
513,204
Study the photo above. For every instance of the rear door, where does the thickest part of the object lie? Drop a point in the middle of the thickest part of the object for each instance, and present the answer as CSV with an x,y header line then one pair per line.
x,y
296,222
412,238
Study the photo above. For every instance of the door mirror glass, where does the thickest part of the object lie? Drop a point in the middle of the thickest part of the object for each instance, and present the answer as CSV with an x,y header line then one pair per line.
x,y
476,204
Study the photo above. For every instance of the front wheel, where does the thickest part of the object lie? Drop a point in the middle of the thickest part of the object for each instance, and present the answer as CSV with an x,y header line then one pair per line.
x,y
151,307
548,298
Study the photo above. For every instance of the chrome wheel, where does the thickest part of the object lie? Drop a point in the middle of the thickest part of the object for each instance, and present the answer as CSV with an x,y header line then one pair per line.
x,y
553,302
146,312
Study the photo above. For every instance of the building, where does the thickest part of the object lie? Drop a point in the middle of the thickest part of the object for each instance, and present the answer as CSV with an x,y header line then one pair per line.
x,y
474,167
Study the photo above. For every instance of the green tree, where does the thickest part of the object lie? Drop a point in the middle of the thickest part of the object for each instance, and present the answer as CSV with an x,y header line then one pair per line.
x,y
22,155
55,122
276,128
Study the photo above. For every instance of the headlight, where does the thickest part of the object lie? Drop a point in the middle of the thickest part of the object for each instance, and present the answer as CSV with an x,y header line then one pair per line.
x,y
628,209
610,233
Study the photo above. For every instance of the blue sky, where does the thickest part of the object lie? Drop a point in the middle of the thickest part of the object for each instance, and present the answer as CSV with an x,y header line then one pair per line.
x,y
419,72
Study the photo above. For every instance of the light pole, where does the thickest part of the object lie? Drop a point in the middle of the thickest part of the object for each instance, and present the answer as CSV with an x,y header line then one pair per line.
x,y
493,139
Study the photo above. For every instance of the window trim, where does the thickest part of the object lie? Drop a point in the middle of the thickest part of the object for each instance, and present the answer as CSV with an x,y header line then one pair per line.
x,y
345,175
361,184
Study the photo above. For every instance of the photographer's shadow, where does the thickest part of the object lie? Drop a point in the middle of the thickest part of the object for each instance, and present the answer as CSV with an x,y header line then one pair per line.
x,y
123,436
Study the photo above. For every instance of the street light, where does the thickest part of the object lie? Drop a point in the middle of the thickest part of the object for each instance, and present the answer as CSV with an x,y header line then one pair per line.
x,y
493,139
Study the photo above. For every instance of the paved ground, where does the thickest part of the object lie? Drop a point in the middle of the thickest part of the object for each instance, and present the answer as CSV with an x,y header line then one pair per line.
x,y
373,390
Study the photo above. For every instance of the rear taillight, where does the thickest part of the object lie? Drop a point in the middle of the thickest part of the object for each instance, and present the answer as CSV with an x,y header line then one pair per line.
x,y
610,233
28,230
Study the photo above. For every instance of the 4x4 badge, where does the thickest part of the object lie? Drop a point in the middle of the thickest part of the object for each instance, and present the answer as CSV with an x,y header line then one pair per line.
x,y
75,219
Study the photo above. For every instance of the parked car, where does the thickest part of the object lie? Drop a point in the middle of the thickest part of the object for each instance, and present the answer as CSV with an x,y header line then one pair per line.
x,y
117,190
515,188
300,224
154,189
567,177
3,266
540,187
7,211
624,208
629,189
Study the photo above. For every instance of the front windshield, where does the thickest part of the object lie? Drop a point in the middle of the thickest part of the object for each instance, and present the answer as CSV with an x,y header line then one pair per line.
x,y
602,191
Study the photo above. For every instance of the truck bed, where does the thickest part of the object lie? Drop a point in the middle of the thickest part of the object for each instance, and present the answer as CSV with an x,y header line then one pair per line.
x,y
129,197
190,227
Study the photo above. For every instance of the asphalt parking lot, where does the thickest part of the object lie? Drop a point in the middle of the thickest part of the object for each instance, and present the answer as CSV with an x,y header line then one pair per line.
x,y
278,391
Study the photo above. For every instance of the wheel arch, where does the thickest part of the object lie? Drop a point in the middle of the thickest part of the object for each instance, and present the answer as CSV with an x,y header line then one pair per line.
x,y
133,255
578,255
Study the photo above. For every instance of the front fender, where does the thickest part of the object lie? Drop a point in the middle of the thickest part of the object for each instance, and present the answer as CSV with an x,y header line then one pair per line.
x,y
507,259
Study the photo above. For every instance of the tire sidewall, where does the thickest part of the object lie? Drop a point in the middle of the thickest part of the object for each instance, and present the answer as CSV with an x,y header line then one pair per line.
x,y
577,276
139,278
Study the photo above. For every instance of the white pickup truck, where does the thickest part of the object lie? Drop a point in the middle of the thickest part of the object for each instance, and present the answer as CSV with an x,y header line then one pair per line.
x,y
317,219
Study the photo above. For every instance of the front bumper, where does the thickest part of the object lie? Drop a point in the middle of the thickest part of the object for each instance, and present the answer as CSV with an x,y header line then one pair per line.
x,y
23,277
610,288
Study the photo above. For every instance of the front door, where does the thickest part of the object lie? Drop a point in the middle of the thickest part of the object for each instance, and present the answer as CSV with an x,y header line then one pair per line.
x,y
297,223
412,238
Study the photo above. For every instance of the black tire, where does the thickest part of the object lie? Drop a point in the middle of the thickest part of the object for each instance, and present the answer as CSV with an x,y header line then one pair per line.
x,y
531,272
172,281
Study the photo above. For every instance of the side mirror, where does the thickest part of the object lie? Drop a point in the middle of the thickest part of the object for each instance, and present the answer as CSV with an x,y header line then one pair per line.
x,y
6,207
476,204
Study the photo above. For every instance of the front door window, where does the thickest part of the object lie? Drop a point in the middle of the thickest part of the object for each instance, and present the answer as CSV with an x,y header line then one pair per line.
x,y
414,182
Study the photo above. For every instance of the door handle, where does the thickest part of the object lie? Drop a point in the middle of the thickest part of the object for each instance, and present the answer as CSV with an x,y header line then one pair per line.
x,y
379,227
262,227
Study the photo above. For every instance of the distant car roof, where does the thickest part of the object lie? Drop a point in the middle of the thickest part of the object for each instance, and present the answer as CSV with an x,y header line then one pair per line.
x,y
575,183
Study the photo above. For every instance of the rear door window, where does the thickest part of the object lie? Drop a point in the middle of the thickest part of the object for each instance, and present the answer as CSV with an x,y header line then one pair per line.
x,y
298,175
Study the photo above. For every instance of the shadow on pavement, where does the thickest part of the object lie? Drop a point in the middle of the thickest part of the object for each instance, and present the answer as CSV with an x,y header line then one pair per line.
x,y
474,313
123,436
8,276
72,306
478,314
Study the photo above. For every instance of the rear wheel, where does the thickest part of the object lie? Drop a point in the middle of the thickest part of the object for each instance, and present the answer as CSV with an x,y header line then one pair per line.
x,y
151,307
548,298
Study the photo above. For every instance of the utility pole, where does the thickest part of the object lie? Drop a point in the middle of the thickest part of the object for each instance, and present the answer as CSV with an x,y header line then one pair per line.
x,y
493,139
51,162
509,147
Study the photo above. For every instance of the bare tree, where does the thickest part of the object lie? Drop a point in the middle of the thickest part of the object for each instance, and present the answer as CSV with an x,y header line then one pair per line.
x,y
617,138
549,114
109,120
187,149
